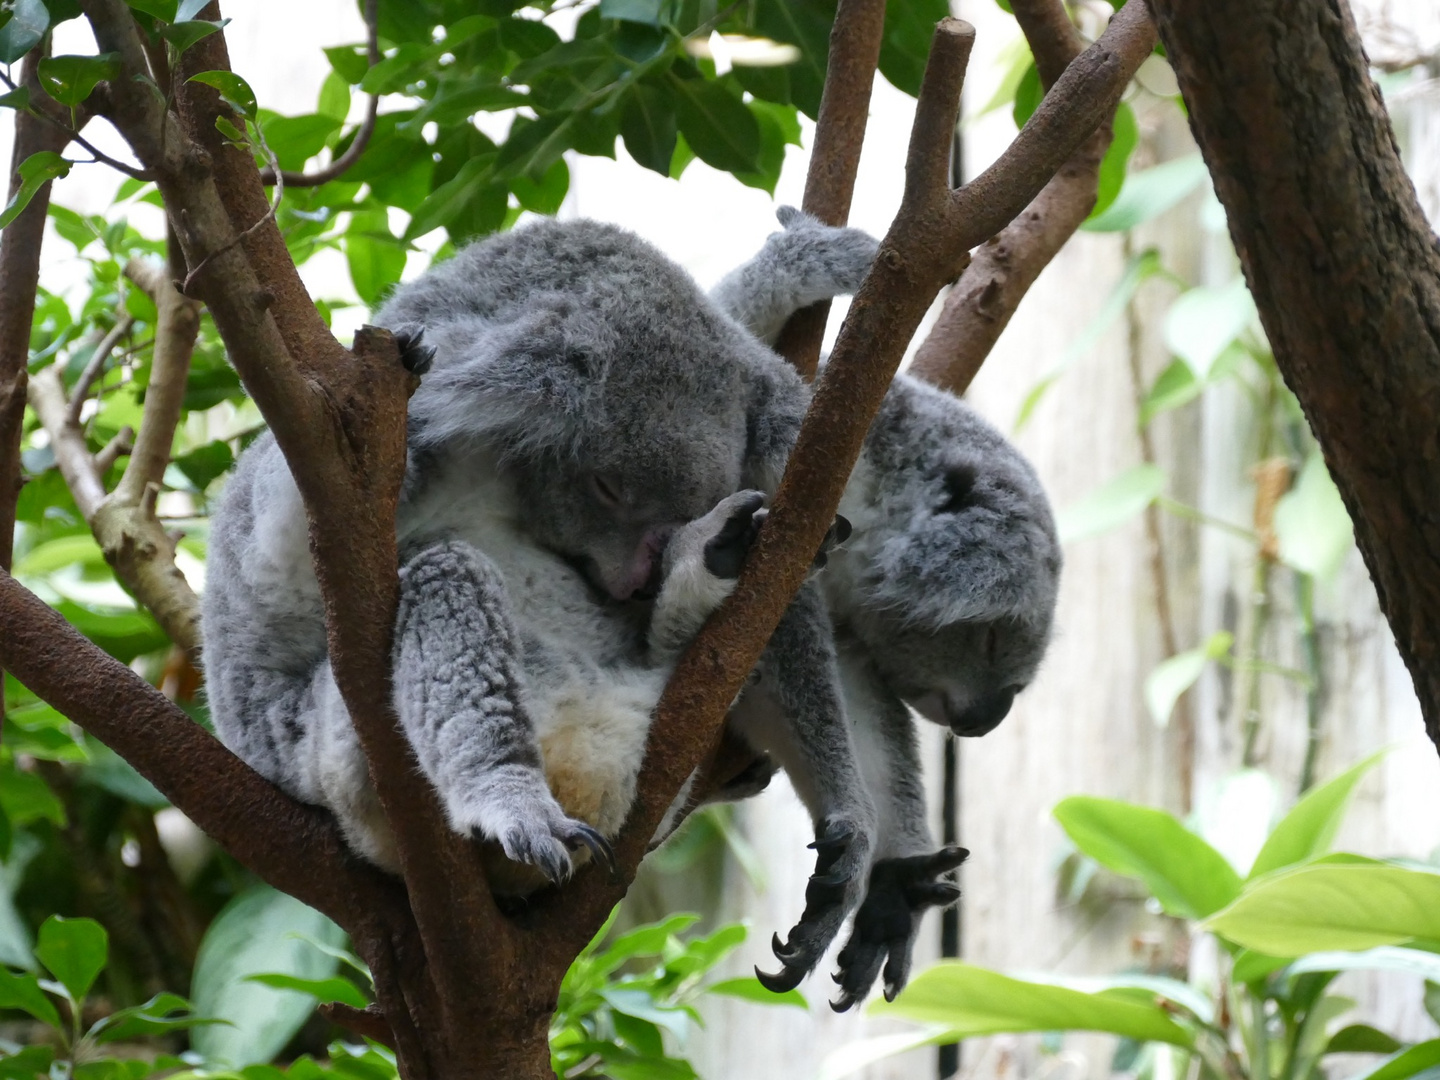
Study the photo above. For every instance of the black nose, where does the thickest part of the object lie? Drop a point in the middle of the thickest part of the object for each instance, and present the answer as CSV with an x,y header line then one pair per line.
x,y
983,716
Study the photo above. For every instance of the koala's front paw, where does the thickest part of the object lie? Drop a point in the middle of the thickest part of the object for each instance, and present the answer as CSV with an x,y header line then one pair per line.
x,y
885,926
739,517
842,850
528,824
841,255
835,536
415,355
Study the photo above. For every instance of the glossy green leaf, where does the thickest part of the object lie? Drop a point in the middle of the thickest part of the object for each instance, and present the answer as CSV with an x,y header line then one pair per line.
x,y
1204,321
22,32
35,171
294,140
805,23
253,935
376,259
1385,958
1251,967
162,10
1186,875
334,988
1112,504
648,128
1412,1062
1309,828
748,988
545,195
1312,524
1149,193
446,202
190,9
235,90
74,951
71,79
18,99
27,1063
1174,676
905,46
851,1057
1113,166
718,127
22,991
185,34
1361,1039
348,62
202,465
161,1015
1326,907
1028,95
972,1001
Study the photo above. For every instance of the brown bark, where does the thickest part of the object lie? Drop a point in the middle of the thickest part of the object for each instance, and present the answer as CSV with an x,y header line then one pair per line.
x,y
855,40
1344,269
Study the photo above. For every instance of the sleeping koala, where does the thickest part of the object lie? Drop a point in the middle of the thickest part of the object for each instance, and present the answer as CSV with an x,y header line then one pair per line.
x,y
584,411
942,599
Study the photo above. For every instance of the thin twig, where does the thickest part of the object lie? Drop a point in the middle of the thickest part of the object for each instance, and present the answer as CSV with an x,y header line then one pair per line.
x,y
95,367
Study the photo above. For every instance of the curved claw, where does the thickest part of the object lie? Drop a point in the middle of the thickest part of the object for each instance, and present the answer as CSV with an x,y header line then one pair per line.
x,y
600,848
782,982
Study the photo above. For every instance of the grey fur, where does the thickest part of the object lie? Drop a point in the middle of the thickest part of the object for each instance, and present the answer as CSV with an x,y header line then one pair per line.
x,y
943,597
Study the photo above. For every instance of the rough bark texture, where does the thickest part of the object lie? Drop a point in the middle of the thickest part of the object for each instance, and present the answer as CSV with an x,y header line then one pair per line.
x,y
1344,269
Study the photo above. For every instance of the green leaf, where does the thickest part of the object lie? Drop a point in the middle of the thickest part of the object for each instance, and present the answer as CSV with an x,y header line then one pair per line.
x,y
1112,504
80,549
348,62
1174,676
648,128
1186,875
35,171
446,202
70,79
1333,906
184,34
748,988
545,195
972,1001
27,1063
203,464
1125,137
235,90
334,97
1175,386
334,988
294,140
1385,958
1311,523
376,259
74,951
1028,95
161,10
253,935
1407,1063
26,26
18,99
1252,967
851,1057
1204,321
154,1017
641,1005
909,28
717,126
1361,1039
1309,829
189,9
22,991
1149,193
25,797
641,11
805,23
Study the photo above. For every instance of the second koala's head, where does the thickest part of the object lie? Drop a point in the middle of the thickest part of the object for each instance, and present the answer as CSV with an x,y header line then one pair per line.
x,y
622,403
951,578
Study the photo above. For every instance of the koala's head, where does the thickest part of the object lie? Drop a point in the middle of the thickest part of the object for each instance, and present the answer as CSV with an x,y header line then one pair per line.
x,y
952,583
623,405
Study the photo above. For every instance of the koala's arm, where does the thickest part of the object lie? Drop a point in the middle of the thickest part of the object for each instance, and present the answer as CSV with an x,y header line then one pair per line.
x,y
804,263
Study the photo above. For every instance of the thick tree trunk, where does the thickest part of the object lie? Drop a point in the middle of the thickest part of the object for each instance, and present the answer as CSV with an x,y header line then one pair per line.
x,y
1344,269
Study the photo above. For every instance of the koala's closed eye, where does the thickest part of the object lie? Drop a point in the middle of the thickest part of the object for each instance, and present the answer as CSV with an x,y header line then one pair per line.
x,y
959,489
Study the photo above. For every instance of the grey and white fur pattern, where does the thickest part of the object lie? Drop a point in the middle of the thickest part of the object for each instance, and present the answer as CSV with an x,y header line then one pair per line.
x,y
583,403
942,599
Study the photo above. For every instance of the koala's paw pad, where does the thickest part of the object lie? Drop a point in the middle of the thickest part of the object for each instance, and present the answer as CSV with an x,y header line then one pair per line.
x,y
415,355
725,551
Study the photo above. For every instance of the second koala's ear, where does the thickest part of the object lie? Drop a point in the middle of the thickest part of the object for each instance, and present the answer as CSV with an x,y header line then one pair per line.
x,y
789,215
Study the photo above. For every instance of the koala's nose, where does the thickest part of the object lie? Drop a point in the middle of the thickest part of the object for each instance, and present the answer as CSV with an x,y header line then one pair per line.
x,y
983,716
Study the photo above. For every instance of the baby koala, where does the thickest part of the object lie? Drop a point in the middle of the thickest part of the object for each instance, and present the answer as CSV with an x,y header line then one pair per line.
x,y
942,600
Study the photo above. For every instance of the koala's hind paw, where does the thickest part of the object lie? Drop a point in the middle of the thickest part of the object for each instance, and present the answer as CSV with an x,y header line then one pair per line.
x,y
835,536
841,851
725,551
535,831
415,355
885,926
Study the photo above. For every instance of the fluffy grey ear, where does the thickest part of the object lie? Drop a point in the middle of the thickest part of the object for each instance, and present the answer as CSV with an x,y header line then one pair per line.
x,y
789,215
519,386
779,398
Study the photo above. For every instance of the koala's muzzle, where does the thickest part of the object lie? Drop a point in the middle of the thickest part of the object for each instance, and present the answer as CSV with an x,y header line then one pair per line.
x,y
983,716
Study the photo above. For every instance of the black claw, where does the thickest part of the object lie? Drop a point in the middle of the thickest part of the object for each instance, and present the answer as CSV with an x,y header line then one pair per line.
x,y
782,982
844,1003
599,847
777,946
842,528
415,355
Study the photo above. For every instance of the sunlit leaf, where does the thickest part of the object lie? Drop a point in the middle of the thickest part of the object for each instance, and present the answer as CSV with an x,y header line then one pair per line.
x,y
334,988
1174,676
185,34
1310,827
235,90
162,1014
1418,1059
70,79
74,951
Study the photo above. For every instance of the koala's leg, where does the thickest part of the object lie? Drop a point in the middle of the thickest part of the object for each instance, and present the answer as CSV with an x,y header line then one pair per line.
x,y
460,698
805,263
811,739
908,877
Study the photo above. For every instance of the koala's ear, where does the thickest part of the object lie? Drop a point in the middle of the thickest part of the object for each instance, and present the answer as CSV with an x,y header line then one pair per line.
x,y
524,384
778,400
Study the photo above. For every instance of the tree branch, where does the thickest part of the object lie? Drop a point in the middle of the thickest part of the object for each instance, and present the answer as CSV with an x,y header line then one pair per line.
x,y
1344,268
352,153
982,302
95,368
187,764
855,39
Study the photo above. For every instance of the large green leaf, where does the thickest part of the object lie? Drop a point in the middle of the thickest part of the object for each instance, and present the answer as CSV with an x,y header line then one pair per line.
x,y
1149,193
23,30
74,951
1311,522
35,171
70,79
376,259
909,28
972,1001
1418,1059
1112,504
648,128
1310,827
1384,958
1333,906
1203,323
719,128
1186,875
253,934
22,991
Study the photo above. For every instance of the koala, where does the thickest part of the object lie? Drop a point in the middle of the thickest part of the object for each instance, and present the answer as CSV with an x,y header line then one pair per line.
x,y
584,424
942,600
